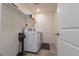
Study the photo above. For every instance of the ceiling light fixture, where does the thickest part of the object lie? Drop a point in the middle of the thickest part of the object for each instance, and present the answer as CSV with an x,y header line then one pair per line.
x,y
36,3
38,10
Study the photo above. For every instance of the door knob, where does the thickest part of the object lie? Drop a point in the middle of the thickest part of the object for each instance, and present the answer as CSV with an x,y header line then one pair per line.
x,y
57,34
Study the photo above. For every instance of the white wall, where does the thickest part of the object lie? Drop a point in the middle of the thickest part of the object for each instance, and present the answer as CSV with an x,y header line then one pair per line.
x,y
0,19
45,24
0,23
12,23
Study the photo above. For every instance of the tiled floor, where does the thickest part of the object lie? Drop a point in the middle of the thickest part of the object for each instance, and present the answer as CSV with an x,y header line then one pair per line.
x,y
43,52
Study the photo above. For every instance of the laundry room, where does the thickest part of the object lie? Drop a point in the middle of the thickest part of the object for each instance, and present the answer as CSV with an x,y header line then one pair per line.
x,y
39,29
36,21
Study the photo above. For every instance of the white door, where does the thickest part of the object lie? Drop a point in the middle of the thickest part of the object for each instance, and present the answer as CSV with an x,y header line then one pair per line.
x,y
68,43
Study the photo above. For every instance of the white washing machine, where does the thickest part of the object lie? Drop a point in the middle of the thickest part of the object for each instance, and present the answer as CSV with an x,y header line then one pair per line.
x,y
32,41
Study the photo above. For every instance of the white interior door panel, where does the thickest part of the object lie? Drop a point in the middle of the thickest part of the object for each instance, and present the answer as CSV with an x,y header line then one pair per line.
x,y
69,15
71,36
67,49
68,43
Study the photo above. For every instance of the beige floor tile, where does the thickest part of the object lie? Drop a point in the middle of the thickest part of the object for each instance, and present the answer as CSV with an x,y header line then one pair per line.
x,y
42,52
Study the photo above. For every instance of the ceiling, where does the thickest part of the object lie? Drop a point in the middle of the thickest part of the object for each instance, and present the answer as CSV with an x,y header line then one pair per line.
x,y
32,7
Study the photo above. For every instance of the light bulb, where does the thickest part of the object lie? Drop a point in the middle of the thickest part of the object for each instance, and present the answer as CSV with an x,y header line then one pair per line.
x,y
38,10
